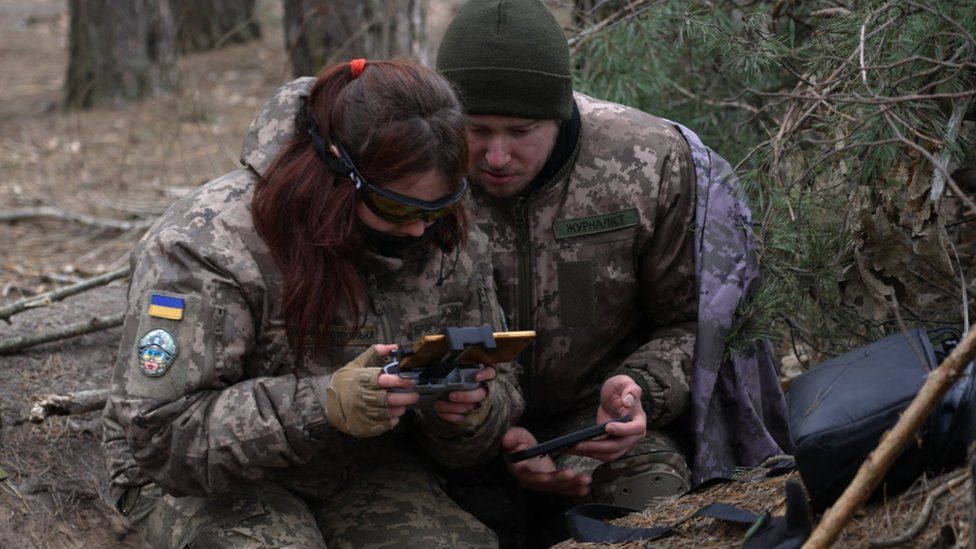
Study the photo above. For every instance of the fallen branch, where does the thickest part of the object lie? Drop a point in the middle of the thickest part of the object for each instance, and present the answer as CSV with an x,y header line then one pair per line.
x,y
58,213
892,443
926,513
17,344
80,402
47,298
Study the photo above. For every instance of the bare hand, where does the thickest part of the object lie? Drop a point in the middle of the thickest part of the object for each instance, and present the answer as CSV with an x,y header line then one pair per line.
x,y
462,403
619,396
540,473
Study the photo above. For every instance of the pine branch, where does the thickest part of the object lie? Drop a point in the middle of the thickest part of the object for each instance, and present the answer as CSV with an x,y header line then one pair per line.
x,y
629,12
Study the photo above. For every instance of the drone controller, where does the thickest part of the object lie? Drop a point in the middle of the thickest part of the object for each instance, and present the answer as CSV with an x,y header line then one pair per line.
x,y
453,371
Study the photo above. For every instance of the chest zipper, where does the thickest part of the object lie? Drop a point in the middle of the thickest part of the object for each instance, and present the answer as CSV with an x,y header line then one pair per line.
x,y
523,248
385,327
486,312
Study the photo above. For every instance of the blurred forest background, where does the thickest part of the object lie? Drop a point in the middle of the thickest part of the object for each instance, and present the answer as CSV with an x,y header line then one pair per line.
x,y
852,126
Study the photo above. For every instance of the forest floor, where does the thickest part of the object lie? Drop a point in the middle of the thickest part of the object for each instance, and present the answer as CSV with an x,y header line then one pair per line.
x,y
124,164
128,164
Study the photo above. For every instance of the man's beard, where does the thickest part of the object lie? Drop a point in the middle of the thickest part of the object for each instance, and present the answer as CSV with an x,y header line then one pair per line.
x,y
508,190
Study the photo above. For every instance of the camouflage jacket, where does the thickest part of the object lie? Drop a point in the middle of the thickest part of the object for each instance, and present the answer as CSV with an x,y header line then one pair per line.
x,y
635,258
232,406
600,262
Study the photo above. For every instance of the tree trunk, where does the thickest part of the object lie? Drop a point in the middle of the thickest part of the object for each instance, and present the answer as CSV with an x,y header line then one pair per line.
x,y
319,33
119,50
203,25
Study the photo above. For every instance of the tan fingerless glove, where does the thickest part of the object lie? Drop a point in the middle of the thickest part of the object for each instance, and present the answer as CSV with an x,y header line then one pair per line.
x,y
354,402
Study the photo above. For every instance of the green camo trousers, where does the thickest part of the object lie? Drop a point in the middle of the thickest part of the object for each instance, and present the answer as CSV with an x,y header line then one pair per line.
x,y
534,519
395,506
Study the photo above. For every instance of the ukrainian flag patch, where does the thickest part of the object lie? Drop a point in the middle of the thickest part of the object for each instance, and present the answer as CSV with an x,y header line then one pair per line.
x,y
164,306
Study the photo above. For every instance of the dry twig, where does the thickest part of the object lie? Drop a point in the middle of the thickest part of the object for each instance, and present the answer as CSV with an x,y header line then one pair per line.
x,y
916,528
96,324
892,443
730,104
58,213
830,12
47,298
928,156
79,402
959,108
628,12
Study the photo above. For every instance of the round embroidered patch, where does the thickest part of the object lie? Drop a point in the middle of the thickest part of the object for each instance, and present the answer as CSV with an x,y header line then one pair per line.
x,y
157,349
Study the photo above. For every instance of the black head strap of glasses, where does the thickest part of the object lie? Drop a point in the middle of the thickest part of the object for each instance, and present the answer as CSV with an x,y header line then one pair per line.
x,y
340,165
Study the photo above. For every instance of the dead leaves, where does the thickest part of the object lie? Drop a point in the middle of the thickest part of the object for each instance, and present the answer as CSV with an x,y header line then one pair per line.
x,y
901,248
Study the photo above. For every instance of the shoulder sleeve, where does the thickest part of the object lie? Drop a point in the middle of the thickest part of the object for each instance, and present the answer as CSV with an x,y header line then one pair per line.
x,y
668,293
196,420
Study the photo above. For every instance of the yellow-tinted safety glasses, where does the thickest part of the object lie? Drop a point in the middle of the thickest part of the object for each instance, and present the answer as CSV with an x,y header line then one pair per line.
x,y
397,208
393,206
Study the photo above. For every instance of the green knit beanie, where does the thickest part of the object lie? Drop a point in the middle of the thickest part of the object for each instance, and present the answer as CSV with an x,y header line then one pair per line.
x,y
508,57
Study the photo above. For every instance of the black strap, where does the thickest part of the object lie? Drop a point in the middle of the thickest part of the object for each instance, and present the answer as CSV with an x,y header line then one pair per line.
x,y
786,532
588,522
340,165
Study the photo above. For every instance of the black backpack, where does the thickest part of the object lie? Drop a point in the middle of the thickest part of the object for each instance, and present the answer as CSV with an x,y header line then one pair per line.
x,y
839,409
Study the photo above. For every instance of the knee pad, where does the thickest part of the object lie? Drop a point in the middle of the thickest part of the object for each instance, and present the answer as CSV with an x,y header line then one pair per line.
x,y
637,480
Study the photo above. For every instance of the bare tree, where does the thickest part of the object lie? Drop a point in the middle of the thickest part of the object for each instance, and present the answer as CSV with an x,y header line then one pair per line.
x,y
321,32
119,50
203,25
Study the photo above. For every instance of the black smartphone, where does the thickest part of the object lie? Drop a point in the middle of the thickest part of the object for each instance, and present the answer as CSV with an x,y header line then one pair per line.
x,y
564,441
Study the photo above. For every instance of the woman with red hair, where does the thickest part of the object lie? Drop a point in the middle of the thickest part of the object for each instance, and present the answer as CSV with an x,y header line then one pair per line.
x,y
249,406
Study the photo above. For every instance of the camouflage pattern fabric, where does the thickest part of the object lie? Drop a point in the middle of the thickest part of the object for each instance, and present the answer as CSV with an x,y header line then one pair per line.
x,y
260,515
274,126
657,447
522,518
614,296
382,502
633,259
600,262
232,407
738,411
396,503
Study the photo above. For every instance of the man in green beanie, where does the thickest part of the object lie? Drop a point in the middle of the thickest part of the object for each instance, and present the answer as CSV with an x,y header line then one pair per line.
x,y
596,245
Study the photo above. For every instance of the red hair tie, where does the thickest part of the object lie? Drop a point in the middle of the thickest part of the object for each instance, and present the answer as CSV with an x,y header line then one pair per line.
x,y
357,66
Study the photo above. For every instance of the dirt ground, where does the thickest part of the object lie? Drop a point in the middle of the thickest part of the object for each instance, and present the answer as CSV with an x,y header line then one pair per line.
x,y
944,525
122,164
127,164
